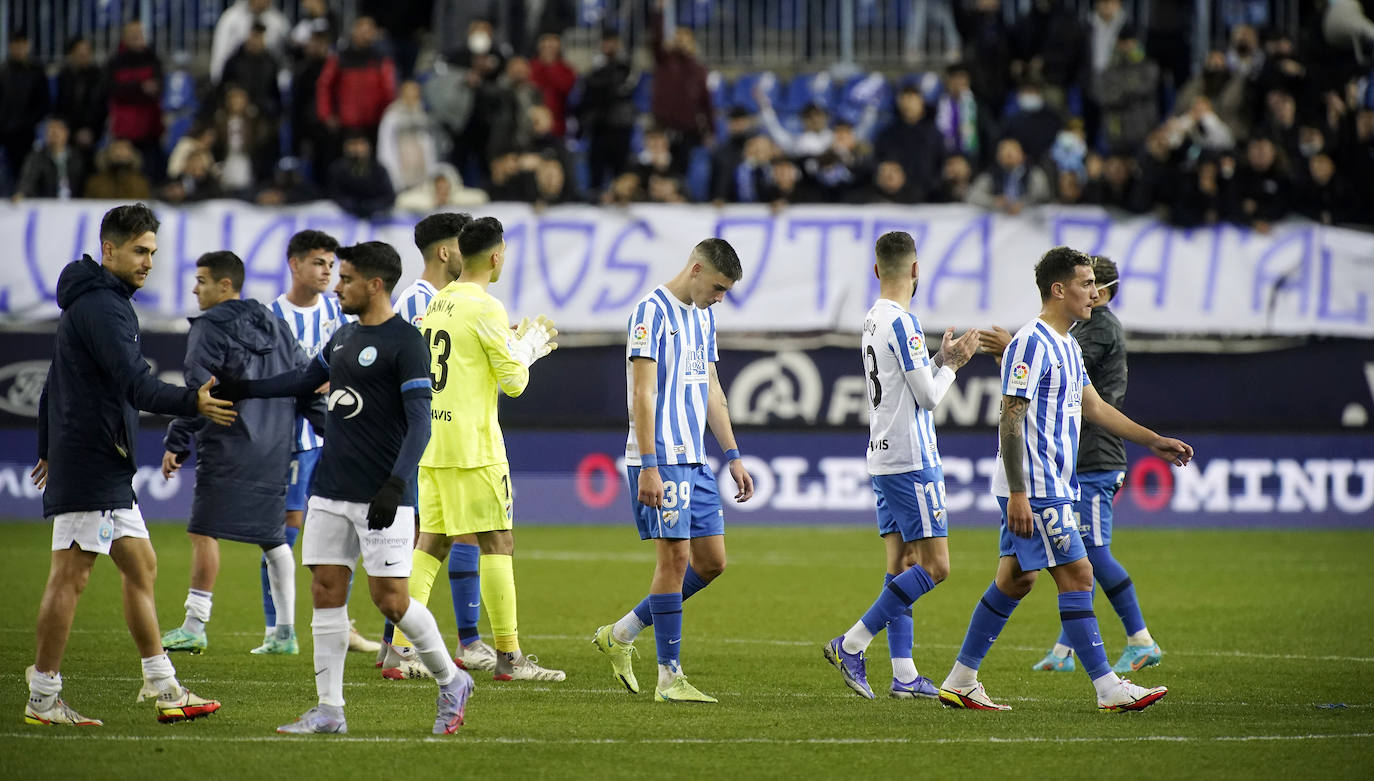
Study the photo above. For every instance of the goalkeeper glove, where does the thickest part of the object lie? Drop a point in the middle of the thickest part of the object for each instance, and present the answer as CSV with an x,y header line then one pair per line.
x,y
534,340
382,512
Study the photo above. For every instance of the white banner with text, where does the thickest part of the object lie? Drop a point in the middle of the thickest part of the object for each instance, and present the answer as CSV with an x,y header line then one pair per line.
x,y
806,268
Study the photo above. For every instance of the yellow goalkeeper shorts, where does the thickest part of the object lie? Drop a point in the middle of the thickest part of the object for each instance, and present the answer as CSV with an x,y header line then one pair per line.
x,y
457,501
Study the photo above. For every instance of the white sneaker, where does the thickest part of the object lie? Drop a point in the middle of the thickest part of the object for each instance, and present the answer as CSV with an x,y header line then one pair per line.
x,y
1128,696
973,697
359,644
519,667
476,656
402,662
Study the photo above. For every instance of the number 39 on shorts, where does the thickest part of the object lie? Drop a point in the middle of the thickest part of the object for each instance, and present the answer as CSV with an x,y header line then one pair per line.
x,y
673,493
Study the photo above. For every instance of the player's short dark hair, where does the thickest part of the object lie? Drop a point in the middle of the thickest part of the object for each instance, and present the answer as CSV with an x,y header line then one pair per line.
x,y
1058,265
1104,270
479,236
130,221
374,260
439,227
892,249
307,240
223,264
721,256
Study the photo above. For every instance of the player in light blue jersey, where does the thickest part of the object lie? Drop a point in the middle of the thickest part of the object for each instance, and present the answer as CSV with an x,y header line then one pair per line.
x,y
313,316
674,394
1046,394
904,386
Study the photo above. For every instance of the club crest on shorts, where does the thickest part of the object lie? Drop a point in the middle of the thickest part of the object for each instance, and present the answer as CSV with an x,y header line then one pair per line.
x,y
106,530
670,518
367,356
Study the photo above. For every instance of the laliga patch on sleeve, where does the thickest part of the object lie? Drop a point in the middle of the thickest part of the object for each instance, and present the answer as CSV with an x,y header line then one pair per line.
x,y
639,336
417,320
1020,375
917,348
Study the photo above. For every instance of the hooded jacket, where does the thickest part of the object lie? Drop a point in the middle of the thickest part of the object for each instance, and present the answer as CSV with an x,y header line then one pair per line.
x,y
97,383
240,468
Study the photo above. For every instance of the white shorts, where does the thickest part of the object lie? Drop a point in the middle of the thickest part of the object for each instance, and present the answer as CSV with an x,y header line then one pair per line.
x,y
336,533
94,530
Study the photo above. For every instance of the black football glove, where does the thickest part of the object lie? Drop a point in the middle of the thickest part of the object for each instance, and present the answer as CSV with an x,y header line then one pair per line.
x,y
230,389
382,512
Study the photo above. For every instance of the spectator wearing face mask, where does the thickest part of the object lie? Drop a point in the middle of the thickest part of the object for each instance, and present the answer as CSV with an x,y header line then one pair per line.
x,y
1324,197
1034,124
1127,92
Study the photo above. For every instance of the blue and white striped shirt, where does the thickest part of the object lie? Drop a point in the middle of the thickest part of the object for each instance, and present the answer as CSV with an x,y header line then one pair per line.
x,y
681,339
1046,368
901,432
313,327
413,302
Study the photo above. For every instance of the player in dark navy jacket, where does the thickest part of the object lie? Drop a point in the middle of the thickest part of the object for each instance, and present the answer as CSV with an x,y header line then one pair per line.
x,y
240,469
376,429
87,429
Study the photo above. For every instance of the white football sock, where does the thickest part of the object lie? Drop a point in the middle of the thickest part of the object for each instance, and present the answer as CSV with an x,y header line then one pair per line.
x,y
1141,638
627,628
281,579
1106,684
1062,651
330,628
197,610
904,670
856,640
961,676
159,674
43,690
423,633
667,673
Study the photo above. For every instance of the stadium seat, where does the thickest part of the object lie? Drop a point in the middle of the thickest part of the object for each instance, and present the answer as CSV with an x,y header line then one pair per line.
x,y
861,91
699,175
808,88
744,89
643,93
179,91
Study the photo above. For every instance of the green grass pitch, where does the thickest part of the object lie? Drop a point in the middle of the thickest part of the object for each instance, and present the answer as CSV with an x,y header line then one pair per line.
x,y
1260,629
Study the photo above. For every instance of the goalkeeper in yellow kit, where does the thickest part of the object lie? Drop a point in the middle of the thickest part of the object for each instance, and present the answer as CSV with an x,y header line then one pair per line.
x,y
465,493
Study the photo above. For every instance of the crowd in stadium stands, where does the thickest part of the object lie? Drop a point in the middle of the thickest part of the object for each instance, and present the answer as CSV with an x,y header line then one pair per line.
x,y
1056,108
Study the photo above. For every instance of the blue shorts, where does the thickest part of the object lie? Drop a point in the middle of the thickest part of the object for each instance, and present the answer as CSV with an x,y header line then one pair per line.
x,y
1053,542
691,504
912,504
1094,508
298,476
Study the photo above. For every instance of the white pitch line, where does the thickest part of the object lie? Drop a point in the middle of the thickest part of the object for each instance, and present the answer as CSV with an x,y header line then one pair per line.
x,y
462,740
818,643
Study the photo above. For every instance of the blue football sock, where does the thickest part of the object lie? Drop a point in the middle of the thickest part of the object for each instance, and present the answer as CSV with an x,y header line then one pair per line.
x,y
269,609
1064,639
1116,584
464,584
667,613
691,584
989,617
897,597
901,629
1076,616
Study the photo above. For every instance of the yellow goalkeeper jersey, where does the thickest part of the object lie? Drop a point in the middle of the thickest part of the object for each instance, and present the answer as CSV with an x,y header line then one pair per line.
x,y
470,340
